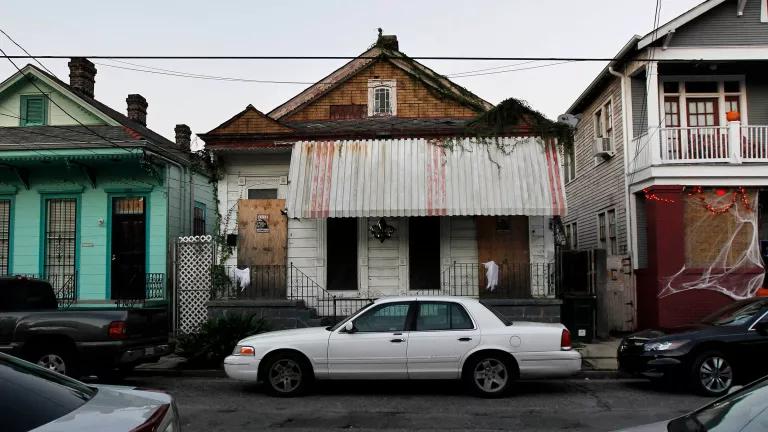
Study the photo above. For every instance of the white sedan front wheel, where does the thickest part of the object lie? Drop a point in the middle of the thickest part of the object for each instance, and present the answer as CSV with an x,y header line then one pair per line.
x,y
287,375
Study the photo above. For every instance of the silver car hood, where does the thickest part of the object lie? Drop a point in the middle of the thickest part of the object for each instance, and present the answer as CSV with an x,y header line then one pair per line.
x,y
113,408
653,427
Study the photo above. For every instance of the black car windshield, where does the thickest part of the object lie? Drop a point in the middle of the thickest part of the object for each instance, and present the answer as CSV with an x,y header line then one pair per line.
x,y
745,410
31,396
344,321
738,313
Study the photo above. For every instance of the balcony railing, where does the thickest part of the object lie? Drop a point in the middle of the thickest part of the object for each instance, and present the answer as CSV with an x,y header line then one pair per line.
x,y
694,144
711,144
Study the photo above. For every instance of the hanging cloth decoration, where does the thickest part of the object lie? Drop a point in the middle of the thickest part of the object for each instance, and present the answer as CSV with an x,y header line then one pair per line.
x,y
243,278
491,275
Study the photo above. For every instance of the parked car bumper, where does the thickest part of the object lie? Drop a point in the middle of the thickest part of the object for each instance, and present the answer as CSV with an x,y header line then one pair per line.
x,y
549,364
242,368
652,365
123,353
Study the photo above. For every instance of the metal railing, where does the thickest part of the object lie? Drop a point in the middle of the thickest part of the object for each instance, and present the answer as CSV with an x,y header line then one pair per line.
x,y
264,281
154,291
64,286
515,280
281,282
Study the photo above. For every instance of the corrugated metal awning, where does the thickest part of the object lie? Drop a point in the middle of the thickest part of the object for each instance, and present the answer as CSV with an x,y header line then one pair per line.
x,y
420,177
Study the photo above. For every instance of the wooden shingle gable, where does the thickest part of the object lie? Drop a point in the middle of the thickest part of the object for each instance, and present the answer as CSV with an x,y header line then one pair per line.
x,y
250,121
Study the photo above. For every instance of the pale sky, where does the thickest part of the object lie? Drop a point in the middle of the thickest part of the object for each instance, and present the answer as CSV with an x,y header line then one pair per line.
x,y
511,28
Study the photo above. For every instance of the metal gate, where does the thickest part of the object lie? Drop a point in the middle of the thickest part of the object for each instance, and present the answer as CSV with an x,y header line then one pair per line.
x,y
193,259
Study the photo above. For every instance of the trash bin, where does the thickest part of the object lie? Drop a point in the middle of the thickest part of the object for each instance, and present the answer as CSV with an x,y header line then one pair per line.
x,y
579,315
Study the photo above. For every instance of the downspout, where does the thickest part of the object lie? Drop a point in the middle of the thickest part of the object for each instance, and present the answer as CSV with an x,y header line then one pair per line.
x,y
627,198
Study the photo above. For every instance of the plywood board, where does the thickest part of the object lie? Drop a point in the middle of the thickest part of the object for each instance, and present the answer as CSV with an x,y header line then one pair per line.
x,y
262,232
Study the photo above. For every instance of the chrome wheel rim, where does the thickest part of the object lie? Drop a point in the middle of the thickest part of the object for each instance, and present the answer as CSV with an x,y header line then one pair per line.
x,y
715,374
285,375
53,362
491,375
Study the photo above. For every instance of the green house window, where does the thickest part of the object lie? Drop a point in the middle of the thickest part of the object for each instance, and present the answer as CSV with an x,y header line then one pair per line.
x,y
34,110
198,226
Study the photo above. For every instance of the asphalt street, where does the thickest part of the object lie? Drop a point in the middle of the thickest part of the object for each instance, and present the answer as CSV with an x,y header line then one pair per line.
x,y
214,404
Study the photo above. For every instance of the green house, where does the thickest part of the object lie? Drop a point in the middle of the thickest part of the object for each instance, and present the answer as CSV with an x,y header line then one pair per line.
x,y
90,198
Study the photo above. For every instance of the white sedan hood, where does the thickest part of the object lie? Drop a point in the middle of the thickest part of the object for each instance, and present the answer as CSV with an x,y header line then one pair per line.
x,y
311,333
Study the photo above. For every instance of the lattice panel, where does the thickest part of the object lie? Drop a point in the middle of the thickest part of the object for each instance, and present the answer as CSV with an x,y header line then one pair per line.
x,y
194,257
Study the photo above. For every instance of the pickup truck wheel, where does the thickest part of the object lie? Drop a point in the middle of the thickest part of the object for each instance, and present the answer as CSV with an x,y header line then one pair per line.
x,y
287,375
489,375
57,359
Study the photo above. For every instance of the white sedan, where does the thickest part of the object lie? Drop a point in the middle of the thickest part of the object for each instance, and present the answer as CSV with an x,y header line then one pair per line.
x,y
409,338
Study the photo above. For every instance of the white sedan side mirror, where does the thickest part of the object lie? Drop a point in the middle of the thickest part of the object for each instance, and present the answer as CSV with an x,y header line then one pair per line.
x,y
349,327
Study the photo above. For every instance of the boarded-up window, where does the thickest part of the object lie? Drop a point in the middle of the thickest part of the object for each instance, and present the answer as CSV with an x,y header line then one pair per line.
x,y
715,239
343,112
341,253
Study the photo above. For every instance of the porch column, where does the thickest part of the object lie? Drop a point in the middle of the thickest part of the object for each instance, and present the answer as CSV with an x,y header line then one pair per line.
x,y
652,108
734,141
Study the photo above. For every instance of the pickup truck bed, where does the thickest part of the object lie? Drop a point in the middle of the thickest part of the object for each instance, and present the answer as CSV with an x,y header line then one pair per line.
x,y
76,341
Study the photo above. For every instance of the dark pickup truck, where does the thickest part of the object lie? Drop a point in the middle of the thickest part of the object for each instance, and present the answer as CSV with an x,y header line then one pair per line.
x,y
77,341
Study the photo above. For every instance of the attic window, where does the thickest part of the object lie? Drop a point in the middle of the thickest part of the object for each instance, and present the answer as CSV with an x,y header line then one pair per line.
x,y
382,97
34,110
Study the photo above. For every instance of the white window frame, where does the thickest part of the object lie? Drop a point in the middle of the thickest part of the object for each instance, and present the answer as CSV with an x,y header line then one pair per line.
x,y
721,94
606,126
610,242
374,84
569,164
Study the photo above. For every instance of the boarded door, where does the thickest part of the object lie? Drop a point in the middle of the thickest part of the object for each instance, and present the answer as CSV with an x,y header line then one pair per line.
x,y
261,245
504,239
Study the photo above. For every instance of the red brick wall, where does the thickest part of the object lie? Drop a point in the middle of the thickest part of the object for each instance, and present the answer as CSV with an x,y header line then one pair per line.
x,y
414,99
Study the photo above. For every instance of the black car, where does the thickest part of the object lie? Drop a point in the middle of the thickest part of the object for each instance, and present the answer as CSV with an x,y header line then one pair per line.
x,y
726,348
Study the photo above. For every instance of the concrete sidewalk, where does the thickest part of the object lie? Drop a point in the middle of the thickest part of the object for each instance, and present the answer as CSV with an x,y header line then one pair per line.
x,y
599,355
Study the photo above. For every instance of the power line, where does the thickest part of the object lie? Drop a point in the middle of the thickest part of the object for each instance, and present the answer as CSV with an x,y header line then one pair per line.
x,y
515,70
169,72
491,68
451,58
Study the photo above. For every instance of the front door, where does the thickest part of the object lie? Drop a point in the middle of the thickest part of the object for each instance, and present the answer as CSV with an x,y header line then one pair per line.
x,y
376,349
262,239
504,239
129,248
443,335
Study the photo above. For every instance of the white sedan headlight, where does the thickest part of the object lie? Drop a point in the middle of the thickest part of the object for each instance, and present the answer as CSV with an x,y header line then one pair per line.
x,y
664,346
244,350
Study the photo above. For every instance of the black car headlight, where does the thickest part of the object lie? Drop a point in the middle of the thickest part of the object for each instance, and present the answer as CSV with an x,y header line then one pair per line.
x,y
664,346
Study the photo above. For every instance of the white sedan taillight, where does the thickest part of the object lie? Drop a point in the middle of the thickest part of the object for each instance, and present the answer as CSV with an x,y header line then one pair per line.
x,y
565,340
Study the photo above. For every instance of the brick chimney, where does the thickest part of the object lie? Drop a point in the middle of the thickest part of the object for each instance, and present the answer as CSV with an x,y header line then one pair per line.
x,y
387,42
82,75
137,108
183,137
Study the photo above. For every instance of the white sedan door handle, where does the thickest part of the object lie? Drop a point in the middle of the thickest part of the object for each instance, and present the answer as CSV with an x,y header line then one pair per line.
x,y
465,339
397,340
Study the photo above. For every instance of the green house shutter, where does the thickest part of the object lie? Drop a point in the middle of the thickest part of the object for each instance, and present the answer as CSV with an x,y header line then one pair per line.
x,y
33,110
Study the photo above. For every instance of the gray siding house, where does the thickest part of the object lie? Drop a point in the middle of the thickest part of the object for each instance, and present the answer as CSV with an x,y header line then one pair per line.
x,y
670,166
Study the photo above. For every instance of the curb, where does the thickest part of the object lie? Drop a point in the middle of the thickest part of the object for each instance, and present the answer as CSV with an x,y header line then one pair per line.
x,y
190,373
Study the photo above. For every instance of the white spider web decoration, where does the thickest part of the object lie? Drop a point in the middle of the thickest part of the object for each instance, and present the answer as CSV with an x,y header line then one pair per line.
x,y
724,248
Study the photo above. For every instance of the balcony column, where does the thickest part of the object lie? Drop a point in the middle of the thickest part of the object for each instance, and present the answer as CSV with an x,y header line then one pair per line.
x,y
734,141
652,106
